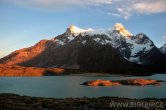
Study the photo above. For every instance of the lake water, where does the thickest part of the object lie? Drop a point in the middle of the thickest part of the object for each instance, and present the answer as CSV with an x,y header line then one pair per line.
x,y
69,86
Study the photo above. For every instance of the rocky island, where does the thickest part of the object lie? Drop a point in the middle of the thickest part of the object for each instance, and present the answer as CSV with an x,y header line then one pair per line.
x,y
136,82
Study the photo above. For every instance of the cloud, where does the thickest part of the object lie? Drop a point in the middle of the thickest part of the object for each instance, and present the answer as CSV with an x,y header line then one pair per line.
x,y
157,6
56,4
118,8
127,8
124,12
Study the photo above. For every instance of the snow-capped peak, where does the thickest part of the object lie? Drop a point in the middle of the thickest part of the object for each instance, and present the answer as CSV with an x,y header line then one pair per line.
x,y
76,30
122,30
119,27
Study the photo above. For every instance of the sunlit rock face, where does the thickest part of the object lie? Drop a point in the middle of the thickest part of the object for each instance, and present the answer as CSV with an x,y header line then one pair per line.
x,y
25,54
140,82
99,82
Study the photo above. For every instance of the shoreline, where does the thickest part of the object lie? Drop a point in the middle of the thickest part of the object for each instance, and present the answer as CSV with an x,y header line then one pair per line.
x,y
10,101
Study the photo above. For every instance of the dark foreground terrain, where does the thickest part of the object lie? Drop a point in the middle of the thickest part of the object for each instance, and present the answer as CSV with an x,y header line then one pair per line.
x,y
17,102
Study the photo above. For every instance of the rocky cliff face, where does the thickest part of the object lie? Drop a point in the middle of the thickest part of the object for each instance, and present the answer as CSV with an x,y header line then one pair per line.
x,y
26,54
91,50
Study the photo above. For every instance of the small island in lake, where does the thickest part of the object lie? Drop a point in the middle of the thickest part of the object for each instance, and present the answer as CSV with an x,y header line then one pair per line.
x,y
137,82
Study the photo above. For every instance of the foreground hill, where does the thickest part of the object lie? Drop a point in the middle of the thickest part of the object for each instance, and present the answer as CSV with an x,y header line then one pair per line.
x,y
16,102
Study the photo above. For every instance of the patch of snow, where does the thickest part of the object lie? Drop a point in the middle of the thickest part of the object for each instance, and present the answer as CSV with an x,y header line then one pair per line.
x,y
126,58
97,32
135,59
67,39
75,30
108,41
136,48
96,39
59,42
84,42
70,38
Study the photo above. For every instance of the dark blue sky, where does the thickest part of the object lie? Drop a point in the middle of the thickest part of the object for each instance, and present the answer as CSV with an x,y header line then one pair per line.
x,y
24,23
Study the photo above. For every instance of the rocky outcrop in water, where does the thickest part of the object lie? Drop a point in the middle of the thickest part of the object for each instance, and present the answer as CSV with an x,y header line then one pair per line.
x,y
137,82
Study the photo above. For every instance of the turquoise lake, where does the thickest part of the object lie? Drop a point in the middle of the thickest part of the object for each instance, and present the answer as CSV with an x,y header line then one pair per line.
x,y
69,86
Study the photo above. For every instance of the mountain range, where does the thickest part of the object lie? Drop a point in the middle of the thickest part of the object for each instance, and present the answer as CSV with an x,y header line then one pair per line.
x,y
102,50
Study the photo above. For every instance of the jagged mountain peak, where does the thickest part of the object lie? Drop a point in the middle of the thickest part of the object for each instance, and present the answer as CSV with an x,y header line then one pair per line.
x,y
122,30
119,26
75,30
72,29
